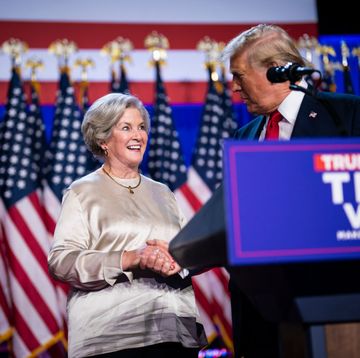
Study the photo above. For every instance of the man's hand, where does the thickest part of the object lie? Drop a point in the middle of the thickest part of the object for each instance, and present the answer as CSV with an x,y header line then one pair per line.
x,y
157,258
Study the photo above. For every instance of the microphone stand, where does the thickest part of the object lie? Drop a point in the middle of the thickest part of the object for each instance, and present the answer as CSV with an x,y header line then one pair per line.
x,y
326,104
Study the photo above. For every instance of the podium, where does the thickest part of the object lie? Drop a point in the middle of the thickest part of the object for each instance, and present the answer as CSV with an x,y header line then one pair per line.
x,y
310,282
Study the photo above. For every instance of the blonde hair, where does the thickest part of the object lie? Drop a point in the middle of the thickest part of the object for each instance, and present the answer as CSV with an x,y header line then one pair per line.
x,y
266,45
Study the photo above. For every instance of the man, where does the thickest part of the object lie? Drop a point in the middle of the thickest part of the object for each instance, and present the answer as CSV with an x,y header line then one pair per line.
x,y
298,115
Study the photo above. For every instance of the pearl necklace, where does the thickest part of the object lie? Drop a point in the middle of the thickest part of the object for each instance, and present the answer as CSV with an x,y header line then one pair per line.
x,y
129,187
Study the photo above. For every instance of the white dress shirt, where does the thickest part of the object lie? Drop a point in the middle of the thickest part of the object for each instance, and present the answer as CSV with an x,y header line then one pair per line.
x,y
289,109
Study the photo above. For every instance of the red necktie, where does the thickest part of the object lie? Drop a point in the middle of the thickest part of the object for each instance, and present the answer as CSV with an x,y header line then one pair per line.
x,y
272,129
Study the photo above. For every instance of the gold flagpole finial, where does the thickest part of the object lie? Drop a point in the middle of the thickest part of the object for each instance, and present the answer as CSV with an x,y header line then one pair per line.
x,y
157,44
84,65
63,49
309,44
15,48
212,50
118,50
34,64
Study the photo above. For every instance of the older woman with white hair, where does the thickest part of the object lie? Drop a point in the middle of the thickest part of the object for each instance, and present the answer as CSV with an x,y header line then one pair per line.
x,y
129,298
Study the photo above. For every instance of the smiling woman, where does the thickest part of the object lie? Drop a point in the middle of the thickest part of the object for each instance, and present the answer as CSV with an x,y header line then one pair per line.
x,y
111,246
126,146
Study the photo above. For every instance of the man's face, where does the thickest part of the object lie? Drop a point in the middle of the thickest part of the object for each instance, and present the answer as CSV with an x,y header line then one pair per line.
x,y
259,95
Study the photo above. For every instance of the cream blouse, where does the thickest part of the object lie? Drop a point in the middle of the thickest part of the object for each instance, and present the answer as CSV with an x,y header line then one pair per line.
x,y
110,309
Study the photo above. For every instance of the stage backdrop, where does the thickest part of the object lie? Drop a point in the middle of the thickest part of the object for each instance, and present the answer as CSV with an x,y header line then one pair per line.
x,y
92,24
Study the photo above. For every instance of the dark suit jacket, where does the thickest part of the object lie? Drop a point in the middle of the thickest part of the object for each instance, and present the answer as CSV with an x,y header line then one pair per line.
x,y
317,117
328,115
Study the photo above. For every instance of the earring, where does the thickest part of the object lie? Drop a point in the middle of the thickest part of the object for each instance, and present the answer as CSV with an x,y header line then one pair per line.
x,y
106,153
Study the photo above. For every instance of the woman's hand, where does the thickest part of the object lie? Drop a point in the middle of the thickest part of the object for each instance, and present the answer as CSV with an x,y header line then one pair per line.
x,y
159,259
154,256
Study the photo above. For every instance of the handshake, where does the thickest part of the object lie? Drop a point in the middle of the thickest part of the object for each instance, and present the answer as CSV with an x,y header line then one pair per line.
x,y
153,256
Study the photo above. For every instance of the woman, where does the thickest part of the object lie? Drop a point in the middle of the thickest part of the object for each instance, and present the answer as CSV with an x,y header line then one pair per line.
x,y
129,298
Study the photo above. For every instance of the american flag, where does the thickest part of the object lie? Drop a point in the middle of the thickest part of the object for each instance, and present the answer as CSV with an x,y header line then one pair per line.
x,y
67,157
218,122
67,160
205,175
36,318
165,161
166,165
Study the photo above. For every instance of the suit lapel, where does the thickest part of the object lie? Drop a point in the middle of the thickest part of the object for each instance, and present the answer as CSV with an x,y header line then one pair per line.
x,y
310,119
257,128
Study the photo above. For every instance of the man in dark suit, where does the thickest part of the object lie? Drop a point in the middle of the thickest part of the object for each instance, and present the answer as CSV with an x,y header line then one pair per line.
x,y
299,114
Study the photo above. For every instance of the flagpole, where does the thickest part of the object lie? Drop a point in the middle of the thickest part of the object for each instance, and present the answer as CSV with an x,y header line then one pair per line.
x,y
84,65
118,51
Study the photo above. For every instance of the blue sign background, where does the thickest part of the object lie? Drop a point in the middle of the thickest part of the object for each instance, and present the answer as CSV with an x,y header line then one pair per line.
x,y
277,207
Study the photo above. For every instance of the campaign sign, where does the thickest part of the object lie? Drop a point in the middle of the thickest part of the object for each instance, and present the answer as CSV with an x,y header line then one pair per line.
x,y
292,201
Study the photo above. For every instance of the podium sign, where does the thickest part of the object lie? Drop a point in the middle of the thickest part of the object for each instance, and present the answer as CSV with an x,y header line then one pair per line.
x,y
292,201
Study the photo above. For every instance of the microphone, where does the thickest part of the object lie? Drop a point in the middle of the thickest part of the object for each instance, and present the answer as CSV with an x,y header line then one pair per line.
x,y
290,72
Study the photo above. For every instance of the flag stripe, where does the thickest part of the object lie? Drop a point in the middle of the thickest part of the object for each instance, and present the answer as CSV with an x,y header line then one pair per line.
x,y
30,211
95,35
52,209
220,295
212,300
192,199
36,279
20,349
201,296
198,186
205,304
184,204
25,232
23,330
48,221
210,329
223,276
35,300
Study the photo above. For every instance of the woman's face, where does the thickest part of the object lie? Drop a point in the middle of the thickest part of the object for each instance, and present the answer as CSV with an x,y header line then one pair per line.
x,y
128,140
